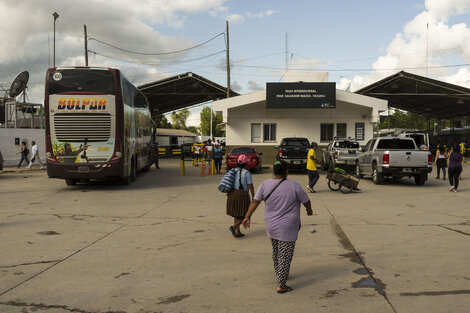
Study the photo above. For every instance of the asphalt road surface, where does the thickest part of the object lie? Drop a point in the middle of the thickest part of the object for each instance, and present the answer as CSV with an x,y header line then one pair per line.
x,y
162,244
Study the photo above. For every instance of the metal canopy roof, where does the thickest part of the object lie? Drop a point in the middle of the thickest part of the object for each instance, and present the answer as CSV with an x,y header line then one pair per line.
x,y
421,95
182,91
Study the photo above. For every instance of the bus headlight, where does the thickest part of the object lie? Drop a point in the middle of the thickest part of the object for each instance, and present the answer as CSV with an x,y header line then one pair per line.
x,y
48,155
118,154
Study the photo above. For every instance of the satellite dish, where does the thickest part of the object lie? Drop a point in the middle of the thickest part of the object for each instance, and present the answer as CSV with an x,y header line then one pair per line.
x,y
19,84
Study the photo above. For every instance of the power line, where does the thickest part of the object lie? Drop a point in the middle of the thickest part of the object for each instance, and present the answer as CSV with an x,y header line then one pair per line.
x,y
129,60
156,53
358,69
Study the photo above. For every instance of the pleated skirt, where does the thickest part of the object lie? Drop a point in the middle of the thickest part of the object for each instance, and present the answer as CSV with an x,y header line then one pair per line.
x,y
238,202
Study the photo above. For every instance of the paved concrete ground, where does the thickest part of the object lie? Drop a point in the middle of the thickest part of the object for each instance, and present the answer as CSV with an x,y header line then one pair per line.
x,y
162,244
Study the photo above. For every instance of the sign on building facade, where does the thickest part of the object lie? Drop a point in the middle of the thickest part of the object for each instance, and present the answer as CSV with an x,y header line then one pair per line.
x,y
300,95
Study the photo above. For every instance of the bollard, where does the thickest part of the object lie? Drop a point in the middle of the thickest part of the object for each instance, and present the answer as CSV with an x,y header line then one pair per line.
x,y
212,167
182,168
203,170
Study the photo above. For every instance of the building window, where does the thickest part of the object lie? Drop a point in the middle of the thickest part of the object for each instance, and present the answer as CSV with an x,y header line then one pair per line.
x,y
326,132
360,131
255,132
269,132
341,130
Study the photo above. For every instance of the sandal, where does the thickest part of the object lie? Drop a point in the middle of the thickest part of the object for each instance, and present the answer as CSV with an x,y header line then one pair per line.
x,y
284,290
234,234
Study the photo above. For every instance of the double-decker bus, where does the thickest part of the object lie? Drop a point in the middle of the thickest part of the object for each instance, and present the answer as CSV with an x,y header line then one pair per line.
x,y
98,125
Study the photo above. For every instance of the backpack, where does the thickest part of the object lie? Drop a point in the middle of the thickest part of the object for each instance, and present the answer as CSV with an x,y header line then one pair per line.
x,y
227,181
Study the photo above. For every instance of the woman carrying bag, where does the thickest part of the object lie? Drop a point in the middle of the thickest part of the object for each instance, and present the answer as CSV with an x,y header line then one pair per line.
x,y
238,199
282,198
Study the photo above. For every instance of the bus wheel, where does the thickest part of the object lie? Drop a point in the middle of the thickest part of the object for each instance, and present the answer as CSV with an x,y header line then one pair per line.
x,y
70,182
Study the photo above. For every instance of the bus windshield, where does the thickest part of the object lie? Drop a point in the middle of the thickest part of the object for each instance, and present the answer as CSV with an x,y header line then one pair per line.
x,y
81,81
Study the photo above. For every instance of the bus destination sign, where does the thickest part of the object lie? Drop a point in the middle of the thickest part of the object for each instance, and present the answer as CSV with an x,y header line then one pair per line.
x,y
300,95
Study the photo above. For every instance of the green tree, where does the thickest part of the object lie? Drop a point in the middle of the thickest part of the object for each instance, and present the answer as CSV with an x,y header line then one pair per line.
x,y
217,130
179,119
161,121
193,129
403,119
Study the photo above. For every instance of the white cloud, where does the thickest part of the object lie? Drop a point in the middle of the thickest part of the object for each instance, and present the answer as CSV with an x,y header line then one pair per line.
x,y
27,32
253,86
236,86
235,18
426,44
263,14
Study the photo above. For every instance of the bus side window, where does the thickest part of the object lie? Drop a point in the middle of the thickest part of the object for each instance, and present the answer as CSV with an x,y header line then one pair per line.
x,y
127,93
140,101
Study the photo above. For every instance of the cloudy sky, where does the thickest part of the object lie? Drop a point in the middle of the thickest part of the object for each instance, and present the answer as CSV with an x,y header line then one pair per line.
x,y
356,42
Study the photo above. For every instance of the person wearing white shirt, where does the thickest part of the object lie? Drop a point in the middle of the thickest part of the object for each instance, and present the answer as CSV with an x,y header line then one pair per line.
x,y
35,152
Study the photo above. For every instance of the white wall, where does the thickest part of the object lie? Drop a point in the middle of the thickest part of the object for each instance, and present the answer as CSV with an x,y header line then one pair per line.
x,y
9,149
295,122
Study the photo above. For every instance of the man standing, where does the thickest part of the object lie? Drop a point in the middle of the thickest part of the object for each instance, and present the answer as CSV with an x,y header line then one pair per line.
x,y
36,156
312,172
218,158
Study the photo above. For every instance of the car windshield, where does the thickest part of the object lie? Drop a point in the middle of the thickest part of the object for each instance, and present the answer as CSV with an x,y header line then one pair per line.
x,y
243,150
296,142
347,144
396,143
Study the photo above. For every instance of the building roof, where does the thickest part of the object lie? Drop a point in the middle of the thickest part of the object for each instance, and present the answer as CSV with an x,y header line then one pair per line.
x,y
175,132
421,95
181,91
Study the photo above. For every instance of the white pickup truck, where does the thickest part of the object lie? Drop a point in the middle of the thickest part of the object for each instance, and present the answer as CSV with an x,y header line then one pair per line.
x,y
393,157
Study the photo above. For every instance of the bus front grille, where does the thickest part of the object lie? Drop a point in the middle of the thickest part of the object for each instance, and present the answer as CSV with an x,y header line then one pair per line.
x,y
78,126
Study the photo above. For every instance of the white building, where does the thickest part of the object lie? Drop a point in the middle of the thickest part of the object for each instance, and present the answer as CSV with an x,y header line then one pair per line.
x,y
249,122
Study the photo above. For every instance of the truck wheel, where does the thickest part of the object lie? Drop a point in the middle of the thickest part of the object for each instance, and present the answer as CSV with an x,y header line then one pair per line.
x,y
420,179
358,171
334,186
324,165
377,177
71,182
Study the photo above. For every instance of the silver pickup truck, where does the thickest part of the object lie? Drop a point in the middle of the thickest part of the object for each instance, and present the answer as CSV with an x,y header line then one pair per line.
x,y
340,152
394,157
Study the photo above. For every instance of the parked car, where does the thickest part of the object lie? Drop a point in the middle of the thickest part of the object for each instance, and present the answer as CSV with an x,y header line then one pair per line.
x,y
294,150
394,157
340,153
255,163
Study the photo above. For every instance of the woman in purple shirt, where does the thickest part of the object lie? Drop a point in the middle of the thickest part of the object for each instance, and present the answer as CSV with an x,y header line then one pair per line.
x,y
282,198
455,167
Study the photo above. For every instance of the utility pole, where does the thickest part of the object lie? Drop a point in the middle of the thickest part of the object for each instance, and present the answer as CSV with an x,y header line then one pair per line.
x,y
228,62
56,16
86,45
211,125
